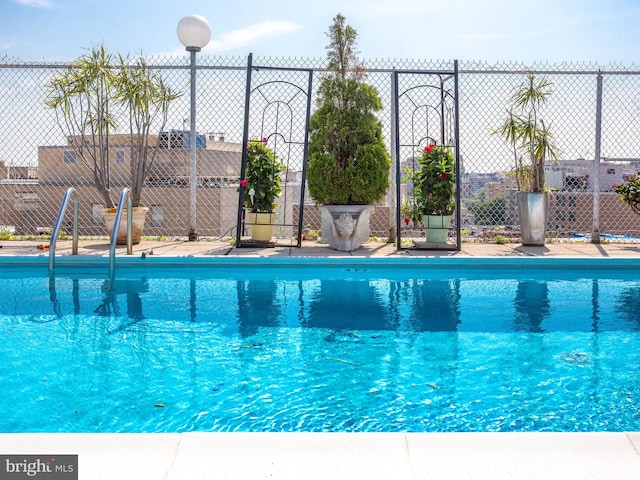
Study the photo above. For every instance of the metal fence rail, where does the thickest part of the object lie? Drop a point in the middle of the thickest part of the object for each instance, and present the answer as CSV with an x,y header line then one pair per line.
x,y
594,114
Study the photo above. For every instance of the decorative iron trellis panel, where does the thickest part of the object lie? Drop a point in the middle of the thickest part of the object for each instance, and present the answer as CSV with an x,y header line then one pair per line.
x,y
277,109
425,111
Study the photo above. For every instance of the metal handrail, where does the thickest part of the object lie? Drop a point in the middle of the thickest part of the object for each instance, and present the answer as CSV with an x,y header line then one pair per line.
x,y
71,194
126,194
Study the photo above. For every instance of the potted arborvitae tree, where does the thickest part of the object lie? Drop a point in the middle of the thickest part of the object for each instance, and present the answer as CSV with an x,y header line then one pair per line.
x,y
85,98
532,144
349,164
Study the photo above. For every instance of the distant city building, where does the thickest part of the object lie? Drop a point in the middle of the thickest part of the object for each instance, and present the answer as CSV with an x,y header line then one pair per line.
x,y
165,191
577,175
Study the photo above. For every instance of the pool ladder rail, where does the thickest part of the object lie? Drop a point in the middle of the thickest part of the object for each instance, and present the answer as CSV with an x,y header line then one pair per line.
x,y
72,195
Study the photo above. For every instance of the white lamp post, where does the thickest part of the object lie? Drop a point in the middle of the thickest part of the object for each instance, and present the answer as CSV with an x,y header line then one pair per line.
x,y
194,32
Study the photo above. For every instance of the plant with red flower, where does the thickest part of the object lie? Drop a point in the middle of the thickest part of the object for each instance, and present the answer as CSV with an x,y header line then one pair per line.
x,y
261,183
433,184
629,191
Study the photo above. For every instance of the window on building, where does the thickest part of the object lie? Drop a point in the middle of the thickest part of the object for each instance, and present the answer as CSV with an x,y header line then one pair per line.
x,y
25,201
96,214
156,215
119,156
611,171
69,156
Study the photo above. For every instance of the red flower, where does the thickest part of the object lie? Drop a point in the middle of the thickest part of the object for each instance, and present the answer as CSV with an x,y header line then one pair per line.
x,y
264,140
244,183
406,221
429,147
443,176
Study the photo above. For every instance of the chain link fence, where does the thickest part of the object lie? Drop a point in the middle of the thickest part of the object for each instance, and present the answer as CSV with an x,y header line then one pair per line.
x,y
594,114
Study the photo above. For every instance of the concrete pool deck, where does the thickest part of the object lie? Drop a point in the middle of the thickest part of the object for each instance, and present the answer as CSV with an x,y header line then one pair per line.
x,y
181,248
368,456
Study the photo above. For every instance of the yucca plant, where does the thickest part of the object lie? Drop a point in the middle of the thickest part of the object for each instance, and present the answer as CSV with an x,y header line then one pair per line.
x,y
84,97
530,139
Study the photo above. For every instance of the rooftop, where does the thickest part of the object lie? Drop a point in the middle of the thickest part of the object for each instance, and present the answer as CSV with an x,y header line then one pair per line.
x,y
196,455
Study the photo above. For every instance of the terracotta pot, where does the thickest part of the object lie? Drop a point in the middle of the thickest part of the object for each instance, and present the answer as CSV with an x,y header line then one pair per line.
x,y
139,216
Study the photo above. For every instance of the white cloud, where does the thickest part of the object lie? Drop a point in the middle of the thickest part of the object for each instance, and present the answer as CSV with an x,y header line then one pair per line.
x,y
35,3
408,7
251,35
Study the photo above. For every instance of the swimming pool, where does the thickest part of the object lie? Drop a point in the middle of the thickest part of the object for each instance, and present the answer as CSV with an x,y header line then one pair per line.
x,y
321,345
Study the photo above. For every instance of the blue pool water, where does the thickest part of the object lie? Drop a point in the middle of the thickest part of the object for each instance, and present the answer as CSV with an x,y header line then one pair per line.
x,y
286,345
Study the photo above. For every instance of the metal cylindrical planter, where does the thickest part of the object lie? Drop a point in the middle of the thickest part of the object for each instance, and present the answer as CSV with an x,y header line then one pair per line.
x,y
533,211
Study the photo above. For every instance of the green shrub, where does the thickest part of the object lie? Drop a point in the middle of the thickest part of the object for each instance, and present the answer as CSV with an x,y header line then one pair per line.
x,y
348,161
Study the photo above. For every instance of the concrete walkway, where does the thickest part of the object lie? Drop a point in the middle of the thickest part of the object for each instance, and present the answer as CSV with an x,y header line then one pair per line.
x,y
370,456
565,456
181,248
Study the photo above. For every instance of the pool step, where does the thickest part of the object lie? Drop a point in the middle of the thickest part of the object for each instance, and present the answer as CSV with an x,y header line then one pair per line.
x,y
75,282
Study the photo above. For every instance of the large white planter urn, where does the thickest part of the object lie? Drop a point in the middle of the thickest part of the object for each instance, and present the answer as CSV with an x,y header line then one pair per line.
x,y
261,225
345,227
139,216
436,228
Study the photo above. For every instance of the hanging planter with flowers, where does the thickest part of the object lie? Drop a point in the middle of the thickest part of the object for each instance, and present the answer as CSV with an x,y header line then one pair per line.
x,y
433,201
629,191
260,188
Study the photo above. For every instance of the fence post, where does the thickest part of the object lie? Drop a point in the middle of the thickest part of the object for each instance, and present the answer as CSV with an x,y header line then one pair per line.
x,y
245,140
396,153
595,232
394,211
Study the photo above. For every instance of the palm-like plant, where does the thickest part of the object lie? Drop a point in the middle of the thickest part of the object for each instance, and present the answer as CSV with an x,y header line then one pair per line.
x,y
531,140
83,96
147,97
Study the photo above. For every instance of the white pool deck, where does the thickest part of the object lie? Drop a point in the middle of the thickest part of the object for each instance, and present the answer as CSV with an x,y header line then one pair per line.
x,y
565,456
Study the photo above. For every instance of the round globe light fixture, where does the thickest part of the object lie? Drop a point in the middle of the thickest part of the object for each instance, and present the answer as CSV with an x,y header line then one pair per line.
x,y
194,32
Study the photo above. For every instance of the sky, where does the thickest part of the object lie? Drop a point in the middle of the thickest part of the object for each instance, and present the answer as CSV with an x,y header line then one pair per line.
x,y
525,31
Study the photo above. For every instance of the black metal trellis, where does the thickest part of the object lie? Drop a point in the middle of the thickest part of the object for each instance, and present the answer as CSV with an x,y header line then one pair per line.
x,y
427,103
283,120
